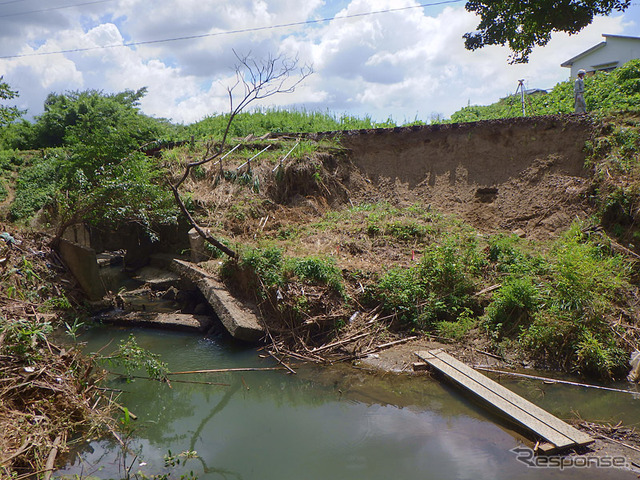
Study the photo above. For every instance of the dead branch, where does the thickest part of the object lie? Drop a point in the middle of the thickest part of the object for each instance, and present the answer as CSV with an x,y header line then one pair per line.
x,y
553,380
259,80
224,370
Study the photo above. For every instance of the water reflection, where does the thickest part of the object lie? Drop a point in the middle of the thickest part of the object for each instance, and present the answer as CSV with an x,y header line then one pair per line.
x,y
320,424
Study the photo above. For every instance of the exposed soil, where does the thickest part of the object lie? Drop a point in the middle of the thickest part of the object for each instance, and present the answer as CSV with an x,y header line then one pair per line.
x,y
522,175
497,175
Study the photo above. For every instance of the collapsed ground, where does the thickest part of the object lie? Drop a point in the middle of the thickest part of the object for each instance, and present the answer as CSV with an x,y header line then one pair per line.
x,y
484,233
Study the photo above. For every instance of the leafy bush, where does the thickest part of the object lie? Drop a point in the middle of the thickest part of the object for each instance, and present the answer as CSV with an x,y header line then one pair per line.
x,y
437,288
318,270
507,254
513,306
459,328
599,357
266,263
561,315
38,184
586,278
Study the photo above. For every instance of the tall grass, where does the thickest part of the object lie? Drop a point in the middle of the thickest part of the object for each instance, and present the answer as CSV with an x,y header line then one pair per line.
x,y
274,120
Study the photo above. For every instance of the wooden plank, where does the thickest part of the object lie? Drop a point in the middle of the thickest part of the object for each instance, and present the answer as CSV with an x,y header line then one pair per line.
x,y
517,408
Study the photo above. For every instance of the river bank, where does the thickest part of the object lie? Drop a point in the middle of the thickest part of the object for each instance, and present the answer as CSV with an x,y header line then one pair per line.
x,y
612,440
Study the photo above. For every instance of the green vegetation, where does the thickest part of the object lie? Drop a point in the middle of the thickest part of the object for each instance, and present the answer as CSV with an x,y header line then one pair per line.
x,y
96,173
559,307
7,114
554,302
437,288
131,357
604,92
269,270
259,122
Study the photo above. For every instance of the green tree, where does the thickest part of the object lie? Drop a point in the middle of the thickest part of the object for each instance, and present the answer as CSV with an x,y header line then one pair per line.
x,y
68,117
100,175
525,24
107,179
7,114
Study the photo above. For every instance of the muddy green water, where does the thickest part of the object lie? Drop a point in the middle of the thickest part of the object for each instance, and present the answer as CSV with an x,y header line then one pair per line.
x,y
329,423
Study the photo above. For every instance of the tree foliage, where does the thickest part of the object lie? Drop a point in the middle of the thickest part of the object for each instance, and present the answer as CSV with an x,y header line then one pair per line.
x,y
99,174
524,24
7,114
69,116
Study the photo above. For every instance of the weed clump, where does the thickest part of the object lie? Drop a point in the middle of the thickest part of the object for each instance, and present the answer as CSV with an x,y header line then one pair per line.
x,y
559,312
437,288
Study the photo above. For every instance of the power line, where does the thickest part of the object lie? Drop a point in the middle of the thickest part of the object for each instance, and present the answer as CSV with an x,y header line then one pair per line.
x,y
230,32
11,1
50,9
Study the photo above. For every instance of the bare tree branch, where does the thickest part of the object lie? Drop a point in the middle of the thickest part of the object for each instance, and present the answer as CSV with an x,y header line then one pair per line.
x,y
259,80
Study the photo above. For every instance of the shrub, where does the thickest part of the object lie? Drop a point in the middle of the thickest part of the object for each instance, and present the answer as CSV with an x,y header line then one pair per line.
x,y
37,185
317,270
513,306
265,263
599,357
458,329
585,277
435,289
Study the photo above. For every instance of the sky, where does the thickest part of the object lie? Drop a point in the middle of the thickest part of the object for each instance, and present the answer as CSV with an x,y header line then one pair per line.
x,y
405,64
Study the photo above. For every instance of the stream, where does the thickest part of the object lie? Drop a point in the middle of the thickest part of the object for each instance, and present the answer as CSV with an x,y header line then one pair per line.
x,y
322,423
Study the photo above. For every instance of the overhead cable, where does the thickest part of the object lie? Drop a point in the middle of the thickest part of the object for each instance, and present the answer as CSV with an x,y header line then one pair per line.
x,y
230,32
16,14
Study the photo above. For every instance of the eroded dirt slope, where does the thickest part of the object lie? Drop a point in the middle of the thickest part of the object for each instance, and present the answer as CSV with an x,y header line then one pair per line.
x,y
498,175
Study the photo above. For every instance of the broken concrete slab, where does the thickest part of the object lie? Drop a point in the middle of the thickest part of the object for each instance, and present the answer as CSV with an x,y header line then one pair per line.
x,y
157,278
174,321
239,319
83,264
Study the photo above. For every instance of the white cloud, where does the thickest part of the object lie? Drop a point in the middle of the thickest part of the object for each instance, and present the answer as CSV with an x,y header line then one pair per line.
x,y
402,64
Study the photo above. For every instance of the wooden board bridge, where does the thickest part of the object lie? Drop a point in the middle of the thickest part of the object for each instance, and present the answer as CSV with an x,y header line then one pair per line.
x,y
557,433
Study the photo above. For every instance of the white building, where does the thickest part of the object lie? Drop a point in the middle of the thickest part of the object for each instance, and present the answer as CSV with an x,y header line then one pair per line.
x,y
615,51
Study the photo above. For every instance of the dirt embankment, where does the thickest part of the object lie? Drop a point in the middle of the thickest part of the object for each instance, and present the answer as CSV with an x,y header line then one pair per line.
x,y
523,173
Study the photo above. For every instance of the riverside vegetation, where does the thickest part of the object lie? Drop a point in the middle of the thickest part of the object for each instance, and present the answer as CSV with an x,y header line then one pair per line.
x,y
568,303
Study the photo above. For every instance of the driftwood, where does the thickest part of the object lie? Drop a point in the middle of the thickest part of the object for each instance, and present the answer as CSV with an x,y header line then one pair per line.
x,y
224,370
340,342
395,342
598,431
291,370
48,467
553,380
